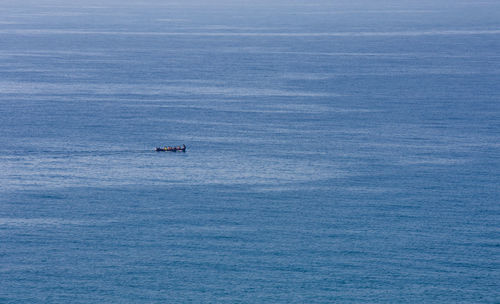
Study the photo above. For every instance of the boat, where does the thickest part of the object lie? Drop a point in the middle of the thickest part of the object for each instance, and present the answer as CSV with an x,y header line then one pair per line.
x,y
171,149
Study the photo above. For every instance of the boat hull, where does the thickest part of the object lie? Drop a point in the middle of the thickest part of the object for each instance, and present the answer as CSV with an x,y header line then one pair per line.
x,y
170,150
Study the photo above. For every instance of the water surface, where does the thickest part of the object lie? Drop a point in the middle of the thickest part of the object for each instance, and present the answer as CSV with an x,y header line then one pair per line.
x,y
337,152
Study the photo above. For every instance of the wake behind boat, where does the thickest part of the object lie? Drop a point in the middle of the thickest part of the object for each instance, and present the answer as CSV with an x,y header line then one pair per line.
x,y
171,149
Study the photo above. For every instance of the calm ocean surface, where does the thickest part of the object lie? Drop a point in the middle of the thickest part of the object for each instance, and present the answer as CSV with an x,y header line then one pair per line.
x,y
338,151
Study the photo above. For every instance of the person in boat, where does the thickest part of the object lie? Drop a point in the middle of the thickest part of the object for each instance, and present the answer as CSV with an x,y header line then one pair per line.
x,y
183,147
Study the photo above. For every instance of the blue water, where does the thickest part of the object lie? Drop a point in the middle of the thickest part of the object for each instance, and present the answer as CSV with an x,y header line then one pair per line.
x,y
338,151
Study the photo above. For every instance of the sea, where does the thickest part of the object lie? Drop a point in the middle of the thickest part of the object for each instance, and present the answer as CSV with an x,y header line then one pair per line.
x,y
337,151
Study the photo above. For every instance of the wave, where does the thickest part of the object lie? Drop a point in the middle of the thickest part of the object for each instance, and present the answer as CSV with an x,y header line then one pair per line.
x,y
255,34
24,222
24,87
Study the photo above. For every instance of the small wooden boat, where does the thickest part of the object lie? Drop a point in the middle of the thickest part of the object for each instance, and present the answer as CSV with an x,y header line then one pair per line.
x,y
171,149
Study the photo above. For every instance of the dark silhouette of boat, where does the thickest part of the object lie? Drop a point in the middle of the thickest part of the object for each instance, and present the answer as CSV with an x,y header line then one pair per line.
x,y
171,149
